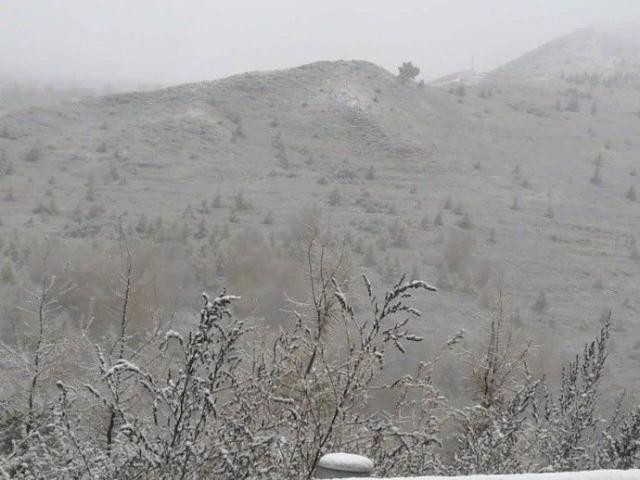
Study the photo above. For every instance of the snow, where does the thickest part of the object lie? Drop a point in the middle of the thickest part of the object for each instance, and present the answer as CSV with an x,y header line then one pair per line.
x,y
346,462
592,475
122,364
173,334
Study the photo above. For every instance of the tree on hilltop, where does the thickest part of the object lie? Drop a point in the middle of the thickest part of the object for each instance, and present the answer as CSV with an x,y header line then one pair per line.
x,y
408,71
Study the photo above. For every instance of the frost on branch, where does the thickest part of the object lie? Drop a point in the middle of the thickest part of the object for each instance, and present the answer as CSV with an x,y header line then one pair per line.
x,y
226,400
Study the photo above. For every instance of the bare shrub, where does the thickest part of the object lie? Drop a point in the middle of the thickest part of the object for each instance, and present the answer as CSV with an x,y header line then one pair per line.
x,y
303,226
33,154
216,201
424,222
204,207
399,235
225,397
268,218
573,105
48,208
633,249
370,257
240,203
281,150
264,280
631,194
504,392
96,273
6,165
371,173
335,199
541,304
210,403
596,178
465,223
201,231
549,213
458,252
7,274
90,193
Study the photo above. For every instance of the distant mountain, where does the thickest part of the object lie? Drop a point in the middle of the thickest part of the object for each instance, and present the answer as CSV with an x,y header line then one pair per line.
x,y
16,95
466,77
604,54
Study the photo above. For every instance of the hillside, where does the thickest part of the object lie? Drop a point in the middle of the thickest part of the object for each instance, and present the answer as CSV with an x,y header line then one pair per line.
x,y
508,166
608,54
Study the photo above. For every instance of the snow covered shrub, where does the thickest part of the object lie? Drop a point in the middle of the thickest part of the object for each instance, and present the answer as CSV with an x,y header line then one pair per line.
x,y
491,437
326,367
219,401
568,423
225,397
621,446
520,425
491,433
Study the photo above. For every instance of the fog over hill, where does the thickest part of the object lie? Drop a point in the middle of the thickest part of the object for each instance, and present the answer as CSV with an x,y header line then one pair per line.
x,y
499,185
604,50
392,267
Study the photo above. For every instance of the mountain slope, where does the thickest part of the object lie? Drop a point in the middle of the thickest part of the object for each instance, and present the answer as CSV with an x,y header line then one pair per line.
x,y
609,52
517,166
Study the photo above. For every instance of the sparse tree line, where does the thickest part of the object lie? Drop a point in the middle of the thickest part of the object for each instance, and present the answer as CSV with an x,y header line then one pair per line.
x,y
207,239
223,397
607,80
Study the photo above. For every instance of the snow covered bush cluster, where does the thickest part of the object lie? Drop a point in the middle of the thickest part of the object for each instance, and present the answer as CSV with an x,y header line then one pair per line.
x,y
225,400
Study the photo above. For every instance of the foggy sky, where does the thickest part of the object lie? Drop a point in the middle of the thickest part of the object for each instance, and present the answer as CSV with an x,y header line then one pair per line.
x,y
92,42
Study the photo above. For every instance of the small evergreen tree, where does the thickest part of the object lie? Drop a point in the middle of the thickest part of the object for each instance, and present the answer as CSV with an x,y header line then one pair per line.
x,y
408,71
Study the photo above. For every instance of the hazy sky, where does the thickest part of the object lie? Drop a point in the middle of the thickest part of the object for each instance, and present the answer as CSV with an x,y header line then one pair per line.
x,y
172,41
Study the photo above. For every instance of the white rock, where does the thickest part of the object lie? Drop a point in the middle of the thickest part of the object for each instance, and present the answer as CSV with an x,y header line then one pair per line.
x,y
346,462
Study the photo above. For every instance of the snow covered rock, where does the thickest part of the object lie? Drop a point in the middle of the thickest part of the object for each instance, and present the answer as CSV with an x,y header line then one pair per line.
x,y
341,465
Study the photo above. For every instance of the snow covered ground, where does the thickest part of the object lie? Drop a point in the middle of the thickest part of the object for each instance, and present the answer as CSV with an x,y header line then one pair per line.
x,y
592,475
348,463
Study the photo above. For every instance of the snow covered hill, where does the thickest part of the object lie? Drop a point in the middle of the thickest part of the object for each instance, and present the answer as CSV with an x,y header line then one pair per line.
x,y
399,170
605,50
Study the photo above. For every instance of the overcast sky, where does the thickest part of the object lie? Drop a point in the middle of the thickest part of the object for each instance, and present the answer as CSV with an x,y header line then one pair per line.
x,y
174,41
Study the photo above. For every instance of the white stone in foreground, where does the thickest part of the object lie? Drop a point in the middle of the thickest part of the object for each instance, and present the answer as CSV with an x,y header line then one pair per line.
x,y
346,462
